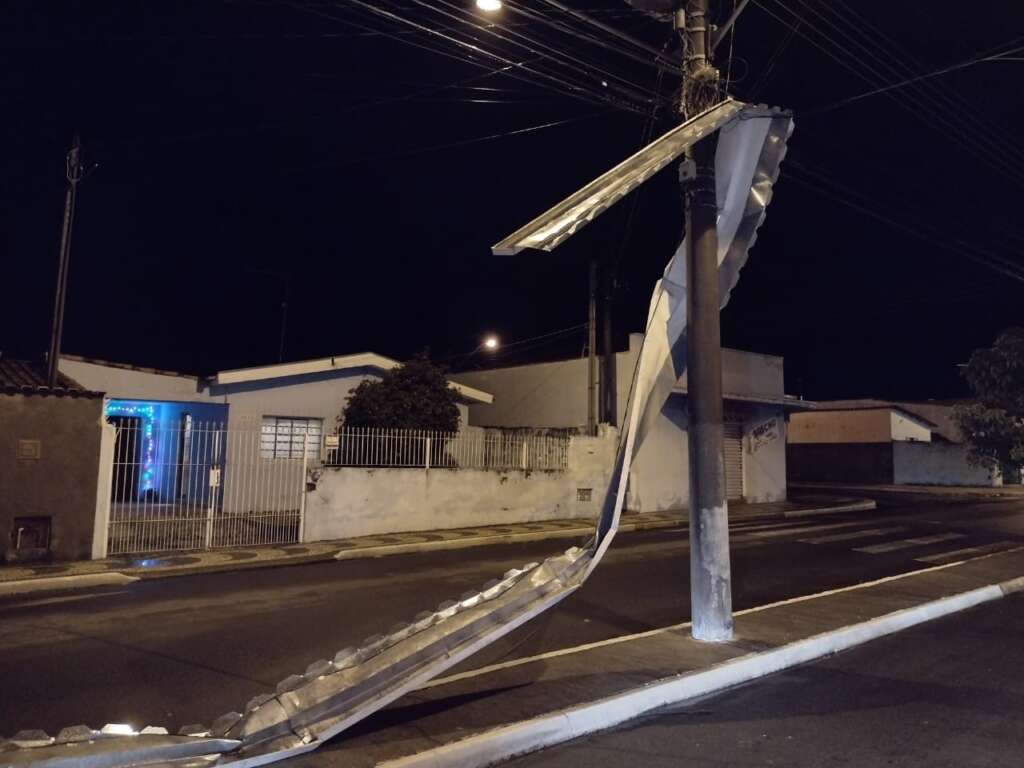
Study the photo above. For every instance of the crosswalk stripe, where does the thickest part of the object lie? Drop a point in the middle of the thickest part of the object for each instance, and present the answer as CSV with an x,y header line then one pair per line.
x,y
802,529
854,535
944,557
892,546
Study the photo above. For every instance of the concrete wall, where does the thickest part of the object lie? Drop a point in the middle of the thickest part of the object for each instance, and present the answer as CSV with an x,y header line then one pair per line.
x,y
659,479
764,455
63,482
840,462
855,426
360,502
938,464
905,428
116,381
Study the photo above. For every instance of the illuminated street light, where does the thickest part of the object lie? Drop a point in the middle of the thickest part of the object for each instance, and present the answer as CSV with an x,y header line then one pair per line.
x,y
491,342
489,5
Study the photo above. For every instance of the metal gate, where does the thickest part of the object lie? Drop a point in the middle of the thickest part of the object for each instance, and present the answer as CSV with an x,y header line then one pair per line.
x,y
199,485
733,443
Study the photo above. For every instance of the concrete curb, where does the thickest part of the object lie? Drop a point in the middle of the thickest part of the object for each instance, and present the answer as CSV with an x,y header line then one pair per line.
x,y
865,505
63,583
510,741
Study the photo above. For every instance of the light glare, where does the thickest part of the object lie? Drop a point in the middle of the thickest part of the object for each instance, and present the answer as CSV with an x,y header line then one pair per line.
x,y
489,5
491,342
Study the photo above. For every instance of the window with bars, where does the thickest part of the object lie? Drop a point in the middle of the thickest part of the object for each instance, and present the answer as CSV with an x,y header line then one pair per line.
x,y
282,437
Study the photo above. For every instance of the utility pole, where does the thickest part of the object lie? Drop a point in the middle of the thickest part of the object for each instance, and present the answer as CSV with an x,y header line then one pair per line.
x,y
592,351
73,172
710,574
284,316
609,376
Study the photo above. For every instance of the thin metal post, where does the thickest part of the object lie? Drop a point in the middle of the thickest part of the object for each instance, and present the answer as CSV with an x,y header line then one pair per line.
x,y
302,487
710,575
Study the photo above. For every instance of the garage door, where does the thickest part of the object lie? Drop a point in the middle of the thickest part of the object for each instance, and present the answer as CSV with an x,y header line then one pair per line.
x,y
733,440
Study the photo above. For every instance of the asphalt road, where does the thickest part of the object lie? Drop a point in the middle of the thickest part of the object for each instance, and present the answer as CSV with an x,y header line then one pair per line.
x,y
946,693
188,649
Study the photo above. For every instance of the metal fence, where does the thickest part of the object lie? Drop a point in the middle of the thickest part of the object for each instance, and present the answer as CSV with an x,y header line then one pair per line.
x,y
195,485
476,449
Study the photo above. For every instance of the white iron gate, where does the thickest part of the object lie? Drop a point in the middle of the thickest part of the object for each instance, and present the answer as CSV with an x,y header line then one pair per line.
x,y
199,485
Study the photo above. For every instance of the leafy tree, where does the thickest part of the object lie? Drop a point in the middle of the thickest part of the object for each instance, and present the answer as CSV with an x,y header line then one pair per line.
x,y
415,395
994,425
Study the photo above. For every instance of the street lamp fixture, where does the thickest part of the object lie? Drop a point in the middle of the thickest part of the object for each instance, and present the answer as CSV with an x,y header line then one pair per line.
x,y
489,5
491,342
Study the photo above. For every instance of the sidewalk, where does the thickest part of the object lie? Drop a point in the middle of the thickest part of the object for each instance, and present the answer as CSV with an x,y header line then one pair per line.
x,y
15,579
482,716
1002,491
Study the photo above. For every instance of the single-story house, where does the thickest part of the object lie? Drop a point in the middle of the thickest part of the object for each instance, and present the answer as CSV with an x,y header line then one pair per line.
x,y
554,395
882,442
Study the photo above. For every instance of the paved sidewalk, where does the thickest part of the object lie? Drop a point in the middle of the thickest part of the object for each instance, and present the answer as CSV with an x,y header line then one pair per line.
x,y
117,570
1000,492
481,716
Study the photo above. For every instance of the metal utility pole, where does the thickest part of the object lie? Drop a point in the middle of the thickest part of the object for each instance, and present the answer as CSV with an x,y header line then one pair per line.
x,y
710,574
73,171
592,352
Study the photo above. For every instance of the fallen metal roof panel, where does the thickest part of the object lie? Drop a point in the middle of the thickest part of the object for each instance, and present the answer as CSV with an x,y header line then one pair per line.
x,y
557,224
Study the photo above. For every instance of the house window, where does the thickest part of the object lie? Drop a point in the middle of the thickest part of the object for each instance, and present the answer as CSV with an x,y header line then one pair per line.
x,y
282,437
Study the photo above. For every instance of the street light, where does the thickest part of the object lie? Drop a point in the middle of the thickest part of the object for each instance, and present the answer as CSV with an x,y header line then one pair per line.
x,y
489,5
491,342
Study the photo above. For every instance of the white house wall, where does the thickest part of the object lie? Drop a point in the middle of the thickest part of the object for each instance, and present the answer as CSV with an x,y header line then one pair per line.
x,y
934,463
352,501
121,382
906,429
659,478
764,455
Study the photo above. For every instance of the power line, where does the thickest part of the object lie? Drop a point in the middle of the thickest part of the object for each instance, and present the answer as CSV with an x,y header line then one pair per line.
x,y
988,154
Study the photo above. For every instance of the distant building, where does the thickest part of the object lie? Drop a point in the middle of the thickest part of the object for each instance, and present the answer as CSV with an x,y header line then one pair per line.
x,y
554,395
878,441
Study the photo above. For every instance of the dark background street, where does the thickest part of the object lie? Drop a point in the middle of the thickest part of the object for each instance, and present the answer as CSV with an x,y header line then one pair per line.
x,y
191,648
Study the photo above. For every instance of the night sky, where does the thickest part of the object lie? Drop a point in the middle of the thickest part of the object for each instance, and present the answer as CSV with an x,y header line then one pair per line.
x,y
241,145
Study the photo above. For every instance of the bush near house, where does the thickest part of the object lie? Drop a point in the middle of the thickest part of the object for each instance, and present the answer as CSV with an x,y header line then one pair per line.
x,y
415,395
994,425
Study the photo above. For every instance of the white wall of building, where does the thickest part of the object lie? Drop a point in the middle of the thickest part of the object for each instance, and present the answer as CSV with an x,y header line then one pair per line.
x,y
362,502
764,455
919,463
132,384
907,429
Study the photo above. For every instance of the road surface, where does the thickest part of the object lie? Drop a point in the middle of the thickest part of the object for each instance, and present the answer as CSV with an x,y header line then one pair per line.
x,y
188,649
947,693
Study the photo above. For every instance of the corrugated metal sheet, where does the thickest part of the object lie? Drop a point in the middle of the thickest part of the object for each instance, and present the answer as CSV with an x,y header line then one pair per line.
x,y
565,219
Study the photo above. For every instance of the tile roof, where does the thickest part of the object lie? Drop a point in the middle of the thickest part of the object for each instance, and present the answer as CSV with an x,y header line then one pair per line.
x,y
21,377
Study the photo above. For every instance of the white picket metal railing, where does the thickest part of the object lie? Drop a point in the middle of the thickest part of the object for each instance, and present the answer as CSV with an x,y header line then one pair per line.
x,y
473,449
199,485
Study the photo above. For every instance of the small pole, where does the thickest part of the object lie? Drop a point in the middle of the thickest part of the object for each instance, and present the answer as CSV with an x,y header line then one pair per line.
x,y
73,172
710,573
302,487
592,352
609,376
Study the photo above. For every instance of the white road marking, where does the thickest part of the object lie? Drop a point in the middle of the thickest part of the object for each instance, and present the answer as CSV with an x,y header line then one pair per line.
x,y
943,557
854,535
803,529
892,546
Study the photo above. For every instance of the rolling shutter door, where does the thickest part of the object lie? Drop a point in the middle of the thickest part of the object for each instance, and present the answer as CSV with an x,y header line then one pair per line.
x,y
733,441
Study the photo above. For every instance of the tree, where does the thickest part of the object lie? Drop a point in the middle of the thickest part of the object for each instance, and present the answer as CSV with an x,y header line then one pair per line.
x,y
415,395
994,425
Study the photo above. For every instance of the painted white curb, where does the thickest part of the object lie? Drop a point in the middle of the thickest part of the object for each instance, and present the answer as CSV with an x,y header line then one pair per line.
x,y
857,506
509,741
57,583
